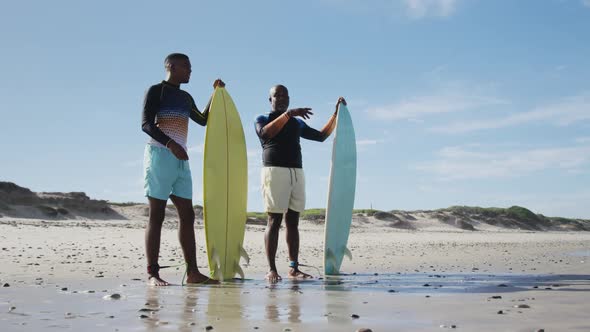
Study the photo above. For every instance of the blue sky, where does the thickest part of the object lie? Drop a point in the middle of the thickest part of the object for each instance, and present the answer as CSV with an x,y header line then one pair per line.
x,y
455,102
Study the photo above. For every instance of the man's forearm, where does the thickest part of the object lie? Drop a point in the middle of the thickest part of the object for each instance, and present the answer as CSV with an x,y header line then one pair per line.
x,y
272,129
149,127
329,127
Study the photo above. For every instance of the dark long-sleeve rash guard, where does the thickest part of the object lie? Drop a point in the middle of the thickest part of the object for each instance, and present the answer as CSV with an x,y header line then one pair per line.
x,y
166,110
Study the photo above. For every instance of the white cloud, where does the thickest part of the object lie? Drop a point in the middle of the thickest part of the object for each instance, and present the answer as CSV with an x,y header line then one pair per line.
x,y
455,163
424,8
363,145
417,107
586,3
564,112
413,9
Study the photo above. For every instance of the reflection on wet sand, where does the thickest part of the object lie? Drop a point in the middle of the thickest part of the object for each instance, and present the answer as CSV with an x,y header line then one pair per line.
x,y
272,307
281,308
294,314
191,304
406,302
150,311
223,303
337,308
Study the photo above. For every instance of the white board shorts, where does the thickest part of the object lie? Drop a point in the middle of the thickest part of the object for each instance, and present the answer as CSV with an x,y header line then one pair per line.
x,y
283,188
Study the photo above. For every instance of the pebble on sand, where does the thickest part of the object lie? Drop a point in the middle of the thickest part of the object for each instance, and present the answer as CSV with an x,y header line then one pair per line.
x,y
114,296
208,328
364,330
6,284
522,306
355,316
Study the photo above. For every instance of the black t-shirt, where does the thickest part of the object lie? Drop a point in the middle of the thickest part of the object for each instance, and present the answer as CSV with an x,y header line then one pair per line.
x,y
284,149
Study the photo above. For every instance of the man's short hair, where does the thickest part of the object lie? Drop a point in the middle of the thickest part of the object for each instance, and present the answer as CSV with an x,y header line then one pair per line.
x,y
278,86
174,57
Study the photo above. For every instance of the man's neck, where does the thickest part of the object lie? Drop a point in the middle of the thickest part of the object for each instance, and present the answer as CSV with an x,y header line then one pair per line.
x,y
172,81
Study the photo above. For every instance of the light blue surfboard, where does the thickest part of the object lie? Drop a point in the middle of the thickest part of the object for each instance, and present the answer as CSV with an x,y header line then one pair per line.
x,y
341,190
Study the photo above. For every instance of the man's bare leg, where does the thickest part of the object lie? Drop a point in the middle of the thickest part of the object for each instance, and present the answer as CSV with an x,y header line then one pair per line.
x,y
292,223
186,236
271,242
153,231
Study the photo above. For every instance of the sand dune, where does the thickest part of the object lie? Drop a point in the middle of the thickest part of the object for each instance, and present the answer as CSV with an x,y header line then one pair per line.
x,y
22,203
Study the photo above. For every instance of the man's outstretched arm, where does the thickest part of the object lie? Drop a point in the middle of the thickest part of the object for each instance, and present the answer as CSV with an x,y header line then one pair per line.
x,y
320,136
269,130
196,115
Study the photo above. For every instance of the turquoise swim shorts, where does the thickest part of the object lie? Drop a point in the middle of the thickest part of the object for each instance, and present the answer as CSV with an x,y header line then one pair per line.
x,y
165,174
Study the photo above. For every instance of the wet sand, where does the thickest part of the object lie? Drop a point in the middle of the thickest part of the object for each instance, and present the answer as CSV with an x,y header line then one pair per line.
x,y
60,276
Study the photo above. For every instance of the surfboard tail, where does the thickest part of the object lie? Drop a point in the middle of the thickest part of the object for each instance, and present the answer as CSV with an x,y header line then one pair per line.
x,y
331,264
217,273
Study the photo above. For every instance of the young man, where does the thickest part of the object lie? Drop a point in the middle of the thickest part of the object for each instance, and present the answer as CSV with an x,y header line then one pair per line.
x,y
283,181
166,114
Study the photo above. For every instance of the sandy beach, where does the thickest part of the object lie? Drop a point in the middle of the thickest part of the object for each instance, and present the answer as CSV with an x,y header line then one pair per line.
x,y
457,132
89,274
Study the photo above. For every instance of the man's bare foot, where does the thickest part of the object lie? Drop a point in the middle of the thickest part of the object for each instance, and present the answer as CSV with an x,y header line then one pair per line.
x,y
273,276
296,274
157,281
199,278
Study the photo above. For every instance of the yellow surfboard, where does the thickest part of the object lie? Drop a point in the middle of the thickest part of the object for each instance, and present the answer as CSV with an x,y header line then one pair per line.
x,y
225,187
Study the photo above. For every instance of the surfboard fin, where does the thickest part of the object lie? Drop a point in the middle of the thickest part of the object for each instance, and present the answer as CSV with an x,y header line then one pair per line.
x,y
217,274
347,253
244,255
239,270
